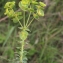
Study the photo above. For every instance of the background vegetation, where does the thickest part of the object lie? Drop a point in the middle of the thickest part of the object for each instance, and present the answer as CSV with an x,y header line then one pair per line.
x,y
45,42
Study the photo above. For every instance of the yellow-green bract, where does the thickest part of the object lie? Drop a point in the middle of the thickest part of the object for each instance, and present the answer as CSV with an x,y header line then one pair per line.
x,y
23,35
10,4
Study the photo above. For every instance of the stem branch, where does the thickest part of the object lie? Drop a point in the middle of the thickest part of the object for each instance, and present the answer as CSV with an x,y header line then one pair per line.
x,y
30,22
24,17
28,18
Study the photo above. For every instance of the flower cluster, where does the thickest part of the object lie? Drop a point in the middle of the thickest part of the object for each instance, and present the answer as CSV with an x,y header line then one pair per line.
x,y
32,6
11,13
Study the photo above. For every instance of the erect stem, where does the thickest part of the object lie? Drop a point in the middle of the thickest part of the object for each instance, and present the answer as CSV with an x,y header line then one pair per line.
x,y
22,51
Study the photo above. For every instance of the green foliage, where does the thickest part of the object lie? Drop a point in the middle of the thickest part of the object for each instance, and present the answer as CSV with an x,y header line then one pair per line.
x,y
2,38
44,44
25,5
10,5
40,12
11,13
49,55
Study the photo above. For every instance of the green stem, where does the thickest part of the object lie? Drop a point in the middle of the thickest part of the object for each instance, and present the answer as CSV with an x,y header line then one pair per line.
x,y
30,22
22,51
19,22
28,18
24,17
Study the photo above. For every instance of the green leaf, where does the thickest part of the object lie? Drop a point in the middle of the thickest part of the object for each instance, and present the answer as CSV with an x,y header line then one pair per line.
x,y
34,2
40,12
8,35
10,5
42,4
9,13
23,6
35,15
15,20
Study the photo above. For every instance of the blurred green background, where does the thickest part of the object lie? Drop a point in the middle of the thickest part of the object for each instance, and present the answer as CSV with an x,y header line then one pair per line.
x,y
45,41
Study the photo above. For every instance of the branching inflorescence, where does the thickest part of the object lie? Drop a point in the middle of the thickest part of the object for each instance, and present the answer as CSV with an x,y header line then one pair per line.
x,y
30,9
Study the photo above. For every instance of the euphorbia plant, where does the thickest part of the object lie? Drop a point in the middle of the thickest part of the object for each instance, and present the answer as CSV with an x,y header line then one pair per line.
x,y
30,9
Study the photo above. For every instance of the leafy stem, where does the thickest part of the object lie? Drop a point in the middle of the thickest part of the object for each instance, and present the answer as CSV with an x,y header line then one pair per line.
x,y
26,6
22,51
